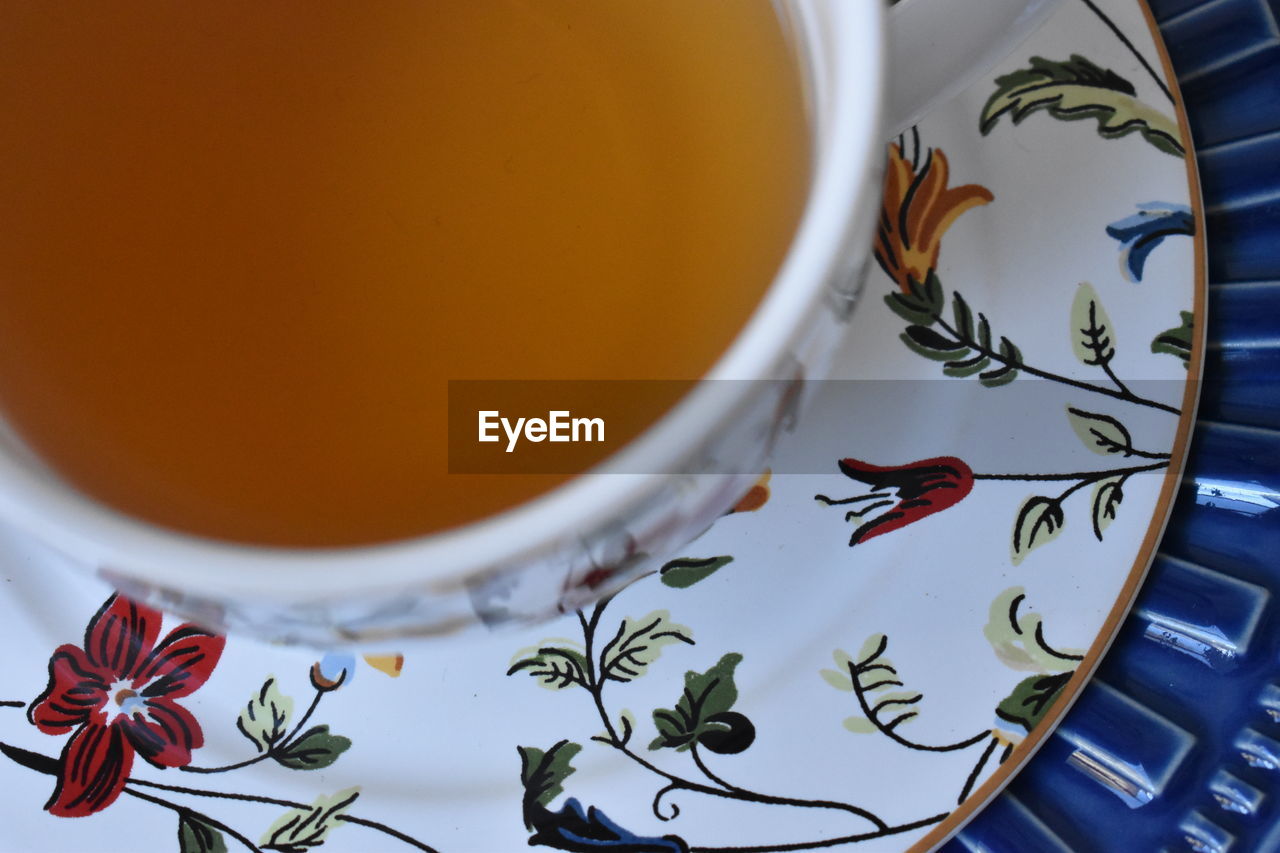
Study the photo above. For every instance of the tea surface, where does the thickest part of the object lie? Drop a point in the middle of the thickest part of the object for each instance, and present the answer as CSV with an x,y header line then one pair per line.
x,y
245,245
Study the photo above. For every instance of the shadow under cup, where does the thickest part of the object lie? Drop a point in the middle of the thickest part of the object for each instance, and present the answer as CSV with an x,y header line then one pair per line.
x,y
597,531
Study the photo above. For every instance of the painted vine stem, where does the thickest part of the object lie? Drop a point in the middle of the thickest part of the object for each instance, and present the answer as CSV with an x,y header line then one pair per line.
x,y
702,722
304,827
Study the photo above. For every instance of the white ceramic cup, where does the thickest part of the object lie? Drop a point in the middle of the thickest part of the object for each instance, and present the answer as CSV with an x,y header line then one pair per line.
x,y
592,534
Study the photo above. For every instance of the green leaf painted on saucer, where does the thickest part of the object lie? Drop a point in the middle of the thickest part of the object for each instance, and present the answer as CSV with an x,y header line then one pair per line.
x,y
706,695
931,344
1039,521
685,572
860,725
543,772
1079,89
1107,497
1102,434
1011,360
1032,699
314,749
555,665
299,830
1016,634
638,643
1176,341
196,836
1092,332
967,330
265,718
921,303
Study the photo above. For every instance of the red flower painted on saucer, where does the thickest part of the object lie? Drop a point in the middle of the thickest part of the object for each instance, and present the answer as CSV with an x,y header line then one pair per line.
x,y
119,694
901,494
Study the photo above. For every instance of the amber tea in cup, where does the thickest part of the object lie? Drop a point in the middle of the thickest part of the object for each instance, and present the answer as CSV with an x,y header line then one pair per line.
x,y
245,245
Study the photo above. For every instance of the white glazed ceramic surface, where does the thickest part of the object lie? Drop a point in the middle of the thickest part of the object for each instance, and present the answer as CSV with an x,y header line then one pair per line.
x,y
845,669
937,47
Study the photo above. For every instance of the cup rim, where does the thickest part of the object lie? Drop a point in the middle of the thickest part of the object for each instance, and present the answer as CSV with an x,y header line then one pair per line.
x,y
846,162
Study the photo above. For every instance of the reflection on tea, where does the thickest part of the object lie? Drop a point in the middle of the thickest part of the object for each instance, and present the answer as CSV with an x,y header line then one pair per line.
x,y
244,246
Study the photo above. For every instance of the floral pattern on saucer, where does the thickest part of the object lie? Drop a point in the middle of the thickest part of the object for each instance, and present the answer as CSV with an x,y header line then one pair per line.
x,y
117,695
854,658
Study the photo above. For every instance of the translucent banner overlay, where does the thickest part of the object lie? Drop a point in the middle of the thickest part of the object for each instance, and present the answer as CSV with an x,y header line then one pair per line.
x,y
569,427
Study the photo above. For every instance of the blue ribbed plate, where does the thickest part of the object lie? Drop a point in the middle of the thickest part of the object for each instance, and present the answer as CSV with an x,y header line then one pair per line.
x,y
1188,699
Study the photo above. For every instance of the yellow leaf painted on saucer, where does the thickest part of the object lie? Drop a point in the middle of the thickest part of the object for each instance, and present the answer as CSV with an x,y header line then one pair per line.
x,y
390,664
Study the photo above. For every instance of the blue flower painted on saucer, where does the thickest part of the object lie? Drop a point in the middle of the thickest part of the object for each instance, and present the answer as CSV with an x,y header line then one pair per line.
x,y
1142,232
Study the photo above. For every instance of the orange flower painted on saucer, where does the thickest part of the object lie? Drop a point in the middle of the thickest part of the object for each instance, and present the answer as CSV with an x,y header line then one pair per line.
x,y
756,497
916,210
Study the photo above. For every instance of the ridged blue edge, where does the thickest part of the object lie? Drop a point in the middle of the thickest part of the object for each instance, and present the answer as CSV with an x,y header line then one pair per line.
x,y
1176,743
